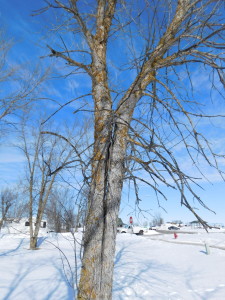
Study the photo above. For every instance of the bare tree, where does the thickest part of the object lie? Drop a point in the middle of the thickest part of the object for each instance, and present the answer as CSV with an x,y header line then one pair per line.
x,y
46,157
8,199
82,204
18,84
157,220
61,210
138,124
54,213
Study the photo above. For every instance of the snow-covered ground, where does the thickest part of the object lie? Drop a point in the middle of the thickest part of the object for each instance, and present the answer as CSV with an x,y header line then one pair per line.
x,y
150,267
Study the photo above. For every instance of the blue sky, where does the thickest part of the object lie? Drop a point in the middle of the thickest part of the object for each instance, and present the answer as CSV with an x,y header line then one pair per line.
x,y
26,31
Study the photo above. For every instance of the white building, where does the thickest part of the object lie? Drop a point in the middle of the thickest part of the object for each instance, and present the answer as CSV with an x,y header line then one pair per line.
x,y
22,226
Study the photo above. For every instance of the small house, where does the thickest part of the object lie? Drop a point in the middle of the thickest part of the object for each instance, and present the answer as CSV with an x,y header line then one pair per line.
x,y
22,226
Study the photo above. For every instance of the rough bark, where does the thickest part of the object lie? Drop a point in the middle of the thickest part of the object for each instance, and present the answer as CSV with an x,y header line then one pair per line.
x,y
95,282
99,241
107,174
100,233
111,133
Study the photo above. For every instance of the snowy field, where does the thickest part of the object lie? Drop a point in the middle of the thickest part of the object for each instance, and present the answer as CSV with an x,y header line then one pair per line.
x,y
152,267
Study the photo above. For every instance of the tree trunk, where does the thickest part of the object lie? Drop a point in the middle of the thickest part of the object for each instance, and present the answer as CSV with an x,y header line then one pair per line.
x,y
41,207
110,139
99,242
33,243
1,223
101,224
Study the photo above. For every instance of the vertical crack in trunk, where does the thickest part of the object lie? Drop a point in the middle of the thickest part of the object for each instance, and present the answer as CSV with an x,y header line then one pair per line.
x,y
106,194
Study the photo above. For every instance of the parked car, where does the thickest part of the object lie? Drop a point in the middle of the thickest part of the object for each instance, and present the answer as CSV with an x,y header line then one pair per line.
x,y
132,229
122,229
174,228
152,228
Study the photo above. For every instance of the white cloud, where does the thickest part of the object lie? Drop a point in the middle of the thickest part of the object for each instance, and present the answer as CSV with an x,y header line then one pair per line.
x,y
10,155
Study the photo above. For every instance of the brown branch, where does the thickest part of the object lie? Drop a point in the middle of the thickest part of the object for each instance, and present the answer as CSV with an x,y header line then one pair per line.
x,y
62,106
70,61
74,11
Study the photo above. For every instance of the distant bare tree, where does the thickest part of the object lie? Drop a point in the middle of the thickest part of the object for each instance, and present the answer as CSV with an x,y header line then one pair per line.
x,y
82,204
46,157
18,85
61,210
8,199
53,212
157,220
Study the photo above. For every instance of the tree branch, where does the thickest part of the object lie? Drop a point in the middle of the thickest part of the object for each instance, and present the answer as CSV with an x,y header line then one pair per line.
x,y
70,61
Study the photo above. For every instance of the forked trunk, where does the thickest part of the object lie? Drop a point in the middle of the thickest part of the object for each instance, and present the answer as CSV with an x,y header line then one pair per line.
x,y
111,130
101,224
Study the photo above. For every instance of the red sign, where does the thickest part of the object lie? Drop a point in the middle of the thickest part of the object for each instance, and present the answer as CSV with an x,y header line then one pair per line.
x,y
131,220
